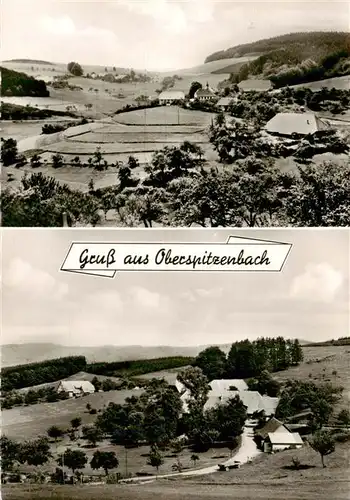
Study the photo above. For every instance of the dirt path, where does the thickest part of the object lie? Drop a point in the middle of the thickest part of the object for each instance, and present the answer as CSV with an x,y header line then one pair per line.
x,y
246,451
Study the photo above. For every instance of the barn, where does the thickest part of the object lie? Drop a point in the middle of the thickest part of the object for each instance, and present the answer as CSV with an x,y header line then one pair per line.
x,y
277,441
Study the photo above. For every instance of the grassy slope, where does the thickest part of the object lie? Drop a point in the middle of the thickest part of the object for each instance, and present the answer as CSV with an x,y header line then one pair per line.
x,y
28,422
266,478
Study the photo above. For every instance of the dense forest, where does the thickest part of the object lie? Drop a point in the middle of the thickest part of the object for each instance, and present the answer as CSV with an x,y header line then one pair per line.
x,y
249,359
315,45
294,59
17,112
17,377
138,367
16,84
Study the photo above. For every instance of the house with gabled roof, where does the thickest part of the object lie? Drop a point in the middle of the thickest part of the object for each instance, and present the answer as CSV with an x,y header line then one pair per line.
x,y
206,94
75,388
168,97
299,124
225,102
277,441
272,425
221,386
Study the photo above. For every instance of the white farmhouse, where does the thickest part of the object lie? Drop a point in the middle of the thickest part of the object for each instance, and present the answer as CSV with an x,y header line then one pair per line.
x,y
170,96
282,440
75,388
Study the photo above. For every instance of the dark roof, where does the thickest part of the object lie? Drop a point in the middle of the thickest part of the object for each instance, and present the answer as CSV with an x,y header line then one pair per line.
x,y
271,426
204,93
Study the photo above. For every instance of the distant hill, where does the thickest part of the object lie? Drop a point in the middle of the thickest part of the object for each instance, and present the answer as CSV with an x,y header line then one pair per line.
x,y
291,59
342,341
28,61
16,84
18,354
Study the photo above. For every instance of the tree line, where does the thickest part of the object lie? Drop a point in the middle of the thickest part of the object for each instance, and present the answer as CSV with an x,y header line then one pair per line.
x,y
137,367
17,377
14,83
303,45
42,372
247,359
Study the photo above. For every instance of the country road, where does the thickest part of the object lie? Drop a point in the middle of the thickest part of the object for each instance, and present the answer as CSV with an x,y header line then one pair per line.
x,y
246,451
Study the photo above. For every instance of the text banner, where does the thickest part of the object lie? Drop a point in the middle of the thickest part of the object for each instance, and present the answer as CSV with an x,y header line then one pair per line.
x,y
236,254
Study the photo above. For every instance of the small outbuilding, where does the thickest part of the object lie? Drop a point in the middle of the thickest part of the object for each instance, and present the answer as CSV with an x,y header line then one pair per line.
x,y
276,441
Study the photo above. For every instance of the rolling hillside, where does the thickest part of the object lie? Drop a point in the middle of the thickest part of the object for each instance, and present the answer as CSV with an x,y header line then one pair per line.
x,y
20,354
304,45
292,59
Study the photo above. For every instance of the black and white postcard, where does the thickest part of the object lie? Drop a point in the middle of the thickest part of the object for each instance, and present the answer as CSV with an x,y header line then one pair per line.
x,y
162,113
161,364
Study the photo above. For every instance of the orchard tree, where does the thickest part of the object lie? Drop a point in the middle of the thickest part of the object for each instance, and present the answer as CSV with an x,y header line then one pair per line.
x,y
73,459
105,460
227,419
55,432
194,459
35,452
320,196
155,458
75,69
57,160
9,453
196,383
92,434
75,423
212,362
9,151
193,89
343,417
323,443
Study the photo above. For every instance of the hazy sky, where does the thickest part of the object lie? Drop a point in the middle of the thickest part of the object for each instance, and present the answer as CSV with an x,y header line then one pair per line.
x,y
309,299
153,34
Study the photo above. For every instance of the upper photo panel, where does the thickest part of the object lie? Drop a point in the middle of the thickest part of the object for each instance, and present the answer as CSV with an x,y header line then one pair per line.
x,y
163,113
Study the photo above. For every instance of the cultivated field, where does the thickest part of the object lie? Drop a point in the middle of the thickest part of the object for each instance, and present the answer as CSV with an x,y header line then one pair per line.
x,y
137,133
165,115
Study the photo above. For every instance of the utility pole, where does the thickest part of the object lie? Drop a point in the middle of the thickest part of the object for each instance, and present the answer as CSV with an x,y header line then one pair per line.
x,y
63,468
126,462
65,219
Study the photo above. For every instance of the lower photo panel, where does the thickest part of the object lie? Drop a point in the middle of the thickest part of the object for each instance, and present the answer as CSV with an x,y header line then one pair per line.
x,y
175,364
